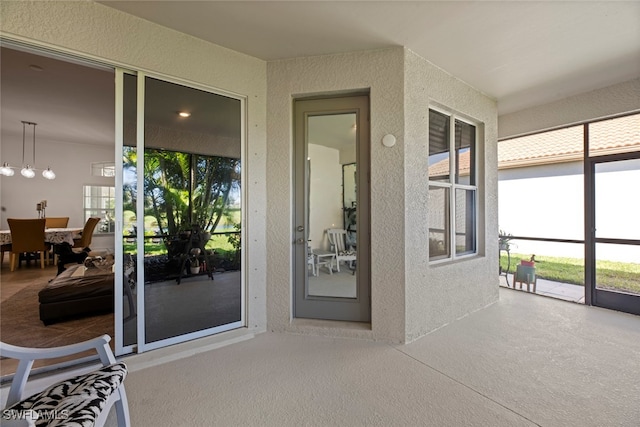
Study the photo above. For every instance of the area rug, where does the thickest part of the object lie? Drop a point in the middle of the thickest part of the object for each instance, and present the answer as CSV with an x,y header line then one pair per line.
x,y
20,325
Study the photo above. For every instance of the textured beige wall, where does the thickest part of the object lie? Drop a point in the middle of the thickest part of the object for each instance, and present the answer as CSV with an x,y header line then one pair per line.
x,y
620,98
409,298
439,294
381,72
96,31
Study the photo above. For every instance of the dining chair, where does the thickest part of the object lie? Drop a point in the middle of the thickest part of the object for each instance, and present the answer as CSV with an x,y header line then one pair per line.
x,y
87,233
55,222
27,235
4,248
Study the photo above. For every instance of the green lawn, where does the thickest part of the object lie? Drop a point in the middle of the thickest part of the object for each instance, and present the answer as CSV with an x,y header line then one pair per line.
x,y
609,274
219,242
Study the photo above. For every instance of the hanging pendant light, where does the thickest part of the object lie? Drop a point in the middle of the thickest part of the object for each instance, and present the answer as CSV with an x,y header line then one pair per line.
x,y
28,171
6,170
48,173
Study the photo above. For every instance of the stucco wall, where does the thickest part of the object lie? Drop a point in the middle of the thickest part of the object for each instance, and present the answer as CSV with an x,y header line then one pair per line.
x,y
96,31
325,194
439,294
409,297
382,72
620,98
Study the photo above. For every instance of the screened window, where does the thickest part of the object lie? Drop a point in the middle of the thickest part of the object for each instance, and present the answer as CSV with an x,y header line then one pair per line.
x,y
452,202
99,201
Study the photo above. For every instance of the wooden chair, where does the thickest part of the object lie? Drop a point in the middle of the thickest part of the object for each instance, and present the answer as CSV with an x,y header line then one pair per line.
x,y
56,222
81,400
87,233
27,235
4,248
337,239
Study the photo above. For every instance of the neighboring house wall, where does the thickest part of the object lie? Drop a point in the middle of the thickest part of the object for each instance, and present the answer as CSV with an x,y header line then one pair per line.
x,y
543,201
547,201
564,179
92,30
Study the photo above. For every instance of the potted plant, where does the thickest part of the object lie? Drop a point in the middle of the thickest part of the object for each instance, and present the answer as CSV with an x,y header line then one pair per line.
x,y
194,265
504,238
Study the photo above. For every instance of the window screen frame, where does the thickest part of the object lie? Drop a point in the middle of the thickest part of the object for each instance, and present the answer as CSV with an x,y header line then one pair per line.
x,y
453,186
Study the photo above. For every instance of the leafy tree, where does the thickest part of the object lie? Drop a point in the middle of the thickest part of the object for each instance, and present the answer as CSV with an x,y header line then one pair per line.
x,y
182,189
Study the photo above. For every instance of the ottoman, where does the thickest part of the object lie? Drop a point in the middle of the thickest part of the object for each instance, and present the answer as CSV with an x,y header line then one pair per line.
x,y
76,292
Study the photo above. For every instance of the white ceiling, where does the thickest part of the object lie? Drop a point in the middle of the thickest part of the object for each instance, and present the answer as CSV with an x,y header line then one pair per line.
x,y
75,103
522,53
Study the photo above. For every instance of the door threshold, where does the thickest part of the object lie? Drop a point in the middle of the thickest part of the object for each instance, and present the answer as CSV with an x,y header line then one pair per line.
x,y
331,328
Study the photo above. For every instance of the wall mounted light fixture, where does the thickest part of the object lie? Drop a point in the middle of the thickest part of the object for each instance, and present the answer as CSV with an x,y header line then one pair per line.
x,y
389,140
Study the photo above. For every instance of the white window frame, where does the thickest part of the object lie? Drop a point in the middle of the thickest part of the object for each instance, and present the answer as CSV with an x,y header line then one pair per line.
x,y
106,169
87,210
452,186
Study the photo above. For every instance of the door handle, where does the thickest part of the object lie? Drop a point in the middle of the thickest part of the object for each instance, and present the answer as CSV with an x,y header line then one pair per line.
x,y
300,241
300,228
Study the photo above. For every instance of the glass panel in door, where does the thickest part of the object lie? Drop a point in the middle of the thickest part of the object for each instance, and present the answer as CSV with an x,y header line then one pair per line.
x,y
129,197
192,219
332,229
617,229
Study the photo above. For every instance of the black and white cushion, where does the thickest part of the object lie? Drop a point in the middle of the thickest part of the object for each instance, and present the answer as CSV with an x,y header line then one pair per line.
x,y
76,402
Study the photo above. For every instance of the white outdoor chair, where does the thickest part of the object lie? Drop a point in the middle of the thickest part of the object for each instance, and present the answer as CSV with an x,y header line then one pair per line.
x,y
84,400
311,261
337,239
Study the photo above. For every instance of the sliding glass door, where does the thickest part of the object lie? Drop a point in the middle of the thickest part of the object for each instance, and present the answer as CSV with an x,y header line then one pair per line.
x,y
611,286
612,204
181,213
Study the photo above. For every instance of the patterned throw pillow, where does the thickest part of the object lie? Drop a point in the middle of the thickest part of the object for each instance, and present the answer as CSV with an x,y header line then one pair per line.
x,y
76,402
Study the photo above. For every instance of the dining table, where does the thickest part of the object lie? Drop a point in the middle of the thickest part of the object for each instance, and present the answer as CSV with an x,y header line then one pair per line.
x,y
54,236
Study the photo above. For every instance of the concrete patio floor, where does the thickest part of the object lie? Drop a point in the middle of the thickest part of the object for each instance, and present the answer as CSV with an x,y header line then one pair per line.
x,y
563,291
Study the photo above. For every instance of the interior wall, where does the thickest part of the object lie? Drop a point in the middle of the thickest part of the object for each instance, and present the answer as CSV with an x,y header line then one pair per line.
x,y
380,71
439,294
609,101
95,31
325,190
72,165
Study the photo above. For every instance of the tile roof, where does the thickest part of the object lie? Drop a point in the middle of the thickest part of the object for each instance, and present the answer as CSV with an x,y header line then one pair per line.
x,y
564,145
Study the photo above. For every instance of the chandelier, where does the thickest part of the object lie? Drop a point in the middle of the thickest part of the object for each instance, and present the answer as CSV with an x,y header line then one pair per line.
x,y
28,170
